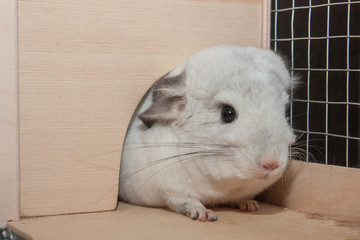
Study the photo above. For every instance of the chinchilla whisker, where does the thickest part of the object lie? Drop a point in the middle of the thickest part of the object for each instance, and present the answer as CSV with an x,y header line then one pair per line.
x,y
305,141
178,162
207,153
299,136
173,163
301,154
212,152
191,154
299,115
176,145
303,145
104,153
311,140
154,163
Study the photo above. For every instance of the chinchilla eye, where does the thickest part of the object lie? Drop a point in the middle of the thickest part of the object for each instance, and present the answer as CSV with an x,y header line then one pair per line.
x,y
228,114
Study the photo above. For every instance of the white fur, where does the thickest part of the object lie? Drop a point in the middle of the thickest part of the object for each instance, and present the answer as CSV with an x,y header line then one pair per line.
x,y
255,82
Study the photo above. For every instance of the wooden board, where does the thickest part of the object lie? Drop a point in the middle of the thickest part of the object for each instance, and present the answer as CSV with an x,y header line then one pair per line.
x,y
329,191
84,66
132,222
9,135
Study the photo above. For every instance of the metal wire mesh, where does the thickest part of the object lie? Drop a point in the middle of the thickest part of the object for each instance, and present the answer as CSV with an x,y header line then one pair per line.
x,y
321,38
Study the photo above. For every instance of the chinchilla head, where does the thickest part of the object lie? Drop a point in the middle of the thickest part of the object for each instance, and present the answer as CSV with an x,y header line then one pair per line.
x,y
232,99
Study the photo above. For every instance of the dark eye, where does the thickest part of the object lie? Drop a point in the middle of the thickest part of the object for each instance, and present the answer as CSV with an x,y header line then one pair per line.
x,y
228,114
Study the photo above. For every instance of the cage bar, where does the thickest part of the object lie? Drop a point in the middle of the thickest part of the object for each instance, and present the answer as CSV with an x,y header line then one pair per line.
x,y
347,82
308,85
292,60
287,39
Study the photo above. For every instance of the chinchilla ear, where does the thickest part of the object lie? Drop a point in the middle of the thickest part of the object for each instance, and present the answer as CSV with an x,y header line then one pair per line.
x,y
168,100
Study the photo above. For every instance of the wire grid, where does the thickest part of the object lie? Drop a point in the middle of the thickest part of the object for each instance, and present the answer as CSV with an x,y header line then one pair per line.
x,y
296,25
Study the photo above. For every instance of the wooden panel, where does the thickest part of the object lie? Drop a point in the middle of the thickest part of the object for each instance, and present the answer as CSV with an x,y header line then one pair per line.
x,y
132,222
329,191
84,66
9,136
266,24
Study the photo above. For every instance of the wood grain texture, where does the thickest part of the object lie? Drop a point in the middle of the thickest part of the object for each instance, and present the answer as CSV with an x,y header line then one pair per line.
x,y
83,68
9,131
329,191
266,24
132,222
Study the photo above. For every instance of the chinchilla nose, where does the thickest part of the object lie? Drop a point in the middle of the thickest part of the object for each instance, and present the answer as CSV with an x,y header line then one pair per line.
x,y
270,164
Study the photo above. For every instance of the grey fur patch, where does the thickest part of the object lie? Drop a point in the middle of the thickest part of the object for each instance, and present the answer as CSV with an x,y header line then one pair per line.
x,y
168,100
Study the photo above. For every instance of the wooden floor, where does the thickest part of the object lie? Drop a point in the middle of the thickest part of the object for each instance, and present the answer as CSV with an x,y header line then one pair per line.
x,y
133,222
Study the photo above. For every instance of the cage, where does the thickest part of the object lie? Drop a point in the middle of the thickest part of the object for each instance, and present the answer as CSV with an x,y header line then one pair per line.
x,y
321,40
65,63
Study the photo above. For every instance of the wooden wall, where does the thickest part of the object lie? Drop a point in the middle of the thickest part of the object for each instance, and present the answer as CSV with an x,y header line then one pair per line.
x,y
9,136
322,190
84,66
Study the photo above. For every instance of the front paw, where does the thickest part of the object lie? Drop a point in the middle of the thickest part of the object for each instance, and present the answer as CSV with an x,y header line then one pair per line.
x,y
191,208
201,214
248,205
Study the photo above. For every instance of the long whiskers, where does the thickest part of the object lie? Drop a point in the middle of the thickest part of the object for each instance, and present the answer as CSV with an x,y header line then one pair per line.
x,y
298,153
183,145
305,147
201,151
196,152
192,158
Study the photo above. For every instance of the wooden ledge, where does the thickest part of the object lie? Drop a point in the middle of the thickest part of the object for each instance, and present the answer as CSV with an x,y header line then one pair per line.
x,y
319,189
133,222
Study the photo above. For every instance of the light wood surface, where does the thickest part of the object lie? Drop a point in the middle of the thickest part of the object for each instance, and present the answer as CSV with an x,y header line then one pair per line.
x,y
132,222
9,134
84,66
329,191
266,24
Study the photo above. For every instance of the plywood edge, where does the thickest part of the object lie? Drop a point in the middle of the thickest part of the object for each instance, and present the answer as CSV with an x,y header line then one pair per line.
x,y
9,137
318,189
266,24
135,222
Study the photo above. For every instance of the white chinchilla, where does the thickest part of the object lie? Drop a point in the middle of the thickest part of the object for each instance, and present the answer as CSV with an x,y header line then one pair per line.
x,y
212,131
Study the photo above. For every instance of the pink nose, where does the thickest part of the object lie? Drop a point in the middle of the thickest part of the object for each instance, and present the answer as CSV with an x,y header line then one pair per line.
x,y
270,164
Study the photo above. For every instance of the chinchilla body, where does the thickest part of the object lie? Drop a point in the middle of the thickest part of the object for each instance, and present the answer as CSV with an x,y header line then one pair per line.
x,y
212,131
